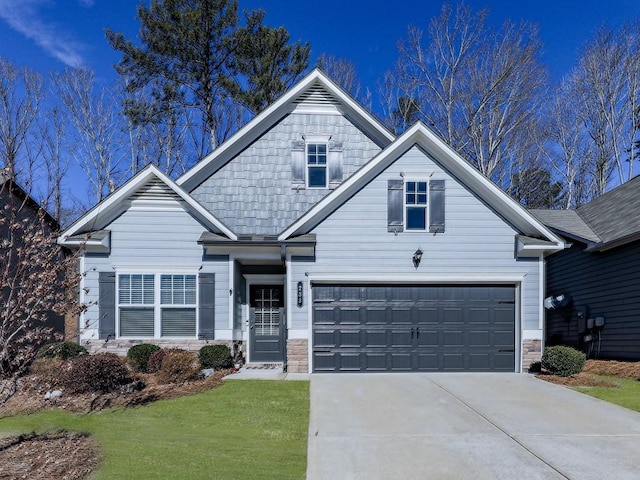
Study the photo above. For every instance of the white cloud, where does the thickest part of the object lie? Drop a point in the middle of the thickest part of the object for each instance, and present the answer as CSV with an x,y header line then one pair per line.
x,y
86,3
23,17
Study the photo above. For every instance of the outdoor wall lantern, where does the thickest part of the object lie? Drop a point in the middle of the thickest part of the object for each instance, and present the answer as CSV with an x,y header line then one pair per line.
x,y
417,257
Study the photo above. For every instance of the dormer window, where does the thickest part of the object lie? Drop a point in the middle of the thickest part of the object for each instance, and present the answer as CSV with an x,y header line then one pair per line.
x,y
317,165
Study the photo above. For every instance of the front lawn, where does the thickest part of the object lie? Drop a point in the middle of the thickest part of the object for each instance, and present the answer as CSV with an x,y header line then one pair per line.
x,y
626,392
240,430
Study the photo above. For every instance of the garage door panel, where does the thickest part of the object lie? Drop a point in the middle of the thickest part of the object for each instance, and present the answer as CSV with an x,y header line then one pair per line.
x,y
452,338
348,316
325,338
401,362
413,328
376,362
479,361
375,315
325,362
428,338
401,338
503,339
480,338
375,338
427,361
452,315
349,362
452,361
400,316
323,316
480,316
350,338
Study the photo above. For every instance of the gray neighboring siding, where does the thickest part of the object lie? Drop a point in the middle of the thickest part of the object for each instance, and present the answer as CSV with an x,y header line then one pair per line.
x,y
253,193
354,240
608,283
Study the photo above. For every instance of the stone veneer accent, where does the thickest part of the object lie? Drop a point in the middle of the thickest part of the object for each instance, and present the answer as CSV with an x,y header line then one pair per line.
x,y
531,352
120,347
297,356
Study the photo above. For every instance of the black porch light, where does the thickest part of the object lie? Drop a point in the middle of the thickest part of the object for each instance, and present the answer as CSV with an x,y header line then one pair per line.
x,y
417,257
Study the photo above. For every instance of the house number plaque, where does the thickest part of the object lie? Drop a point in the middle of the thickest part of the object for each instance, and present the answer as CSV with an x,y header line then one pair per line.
x,y
299,294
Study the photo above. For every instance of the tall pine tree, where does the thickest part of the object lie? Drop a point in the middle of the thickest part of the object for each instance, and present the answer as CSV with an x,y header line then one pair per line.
x,y
197,62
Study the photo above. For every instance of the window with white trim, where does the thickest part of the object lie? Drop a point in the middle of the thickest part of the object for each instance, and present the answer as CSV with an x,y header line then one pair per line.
x,y
415,203
157,305
317,165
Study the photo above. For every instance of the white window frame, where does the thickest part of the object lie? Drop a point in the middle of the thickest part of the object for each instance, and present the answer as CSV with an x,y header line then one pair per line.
x,y
405,222
157,304
316,140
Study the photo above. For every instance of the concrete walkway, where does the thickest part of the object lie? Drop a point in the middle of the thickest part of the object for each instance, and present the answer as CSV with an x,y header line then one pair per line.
x,y
465,426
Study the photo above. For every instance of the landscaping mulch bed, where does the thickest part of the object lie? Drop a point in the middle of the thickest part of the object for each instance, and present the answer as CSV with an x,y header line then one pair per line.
x,y
59,455
594,370
30,399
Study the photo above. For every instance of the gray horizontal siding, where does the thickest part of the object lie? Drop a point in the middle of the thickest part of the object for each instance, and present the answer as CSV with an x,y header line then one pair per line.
x,y
253,193
608,284
161,237
354,239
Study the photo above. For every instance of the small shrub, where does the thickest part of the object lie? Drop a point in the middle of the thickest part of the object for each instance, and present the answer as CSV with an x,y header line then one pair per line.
x,y
103,372
563,361
178,367
535,367
155,360
215,356
62,350
138,355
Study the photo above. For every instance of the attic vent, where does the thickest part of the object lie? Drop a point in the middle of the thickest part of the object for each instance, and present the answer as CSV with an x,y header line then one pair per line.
x,y
316,94
155,189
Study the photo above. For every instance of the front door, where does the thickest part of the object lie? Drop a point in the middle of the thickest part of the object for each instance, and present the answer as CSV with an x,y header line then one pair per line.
x,y
266,323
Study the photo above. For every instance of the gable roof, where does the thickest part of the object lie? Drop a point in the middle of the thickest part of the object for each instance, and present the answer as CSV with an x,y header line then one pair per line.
x,y
316,89
608,221
451,161
152,178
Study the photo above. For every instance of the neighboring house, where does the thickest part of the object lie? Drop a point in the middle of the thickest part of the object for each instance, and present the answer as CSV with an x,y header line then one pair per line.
x,y
14,198
315,238
600,274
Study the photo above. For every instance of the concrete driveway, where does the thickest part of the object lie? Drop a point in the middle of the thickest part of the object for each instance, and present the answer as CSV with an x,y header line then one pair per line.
x,y
465,426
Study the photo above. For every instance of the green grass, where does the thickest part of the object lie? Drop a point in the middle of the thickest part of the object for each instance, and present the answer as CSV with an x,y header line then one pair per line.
x,y
626,394
241,430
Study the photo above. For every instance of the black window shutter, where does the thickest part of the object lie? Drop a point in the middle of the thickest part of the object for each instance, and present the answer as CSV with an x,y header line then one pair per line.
x,y
436,206
206,305
334,163
107,304
298,164
395,205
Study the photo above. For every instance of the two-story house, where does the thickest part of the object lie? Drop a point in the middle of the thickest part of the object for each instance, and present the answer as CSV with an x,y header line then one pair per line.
x,y
315,238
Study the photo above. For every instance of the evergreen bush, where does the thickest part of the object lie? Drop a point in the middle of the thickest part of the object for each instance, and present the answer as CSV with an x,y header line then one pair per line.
x,y
563,361
215,356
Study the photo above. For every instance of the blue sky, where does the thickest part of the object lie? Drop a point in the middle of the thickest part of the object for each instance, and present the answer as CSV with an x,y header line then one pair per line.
x,y
51,34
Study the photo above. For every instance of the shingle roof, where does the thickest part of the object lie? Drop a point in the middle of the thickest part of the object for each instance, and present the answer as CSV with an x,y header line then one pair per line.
x,y
616,214
568,222
610,220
